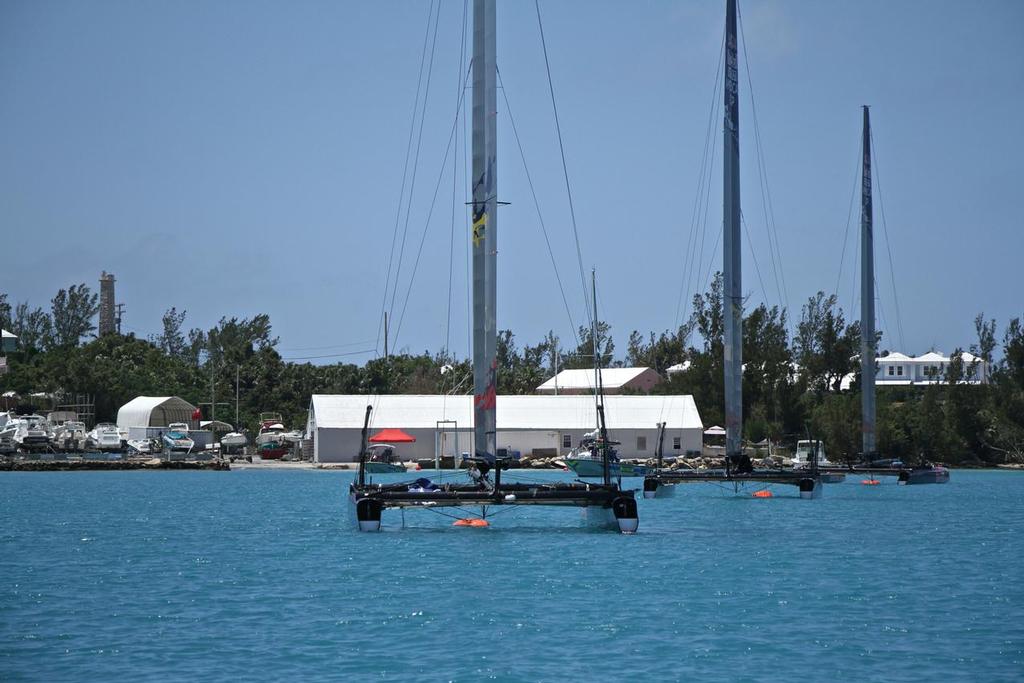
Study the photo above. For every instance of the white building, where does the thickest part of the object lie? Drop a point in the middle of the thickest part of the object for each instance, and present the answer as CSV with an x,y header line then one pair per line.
x,y
550,425
899,369
613,381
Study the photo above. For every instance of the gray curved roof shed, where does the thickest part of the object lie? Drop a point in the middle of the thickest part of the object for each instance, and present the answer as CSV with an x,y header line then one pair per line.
x,y
154,411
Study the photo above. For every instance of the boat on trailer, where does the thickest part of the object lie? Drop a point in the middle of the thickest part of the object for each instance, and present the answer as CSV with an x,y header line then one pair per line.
x,y
605,502
739,470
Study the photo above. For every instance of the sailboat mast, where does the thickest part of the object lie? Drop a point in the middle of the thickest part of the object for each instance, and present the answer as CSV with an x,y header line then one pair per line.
x,y
593,344
485,226
867,299
732,295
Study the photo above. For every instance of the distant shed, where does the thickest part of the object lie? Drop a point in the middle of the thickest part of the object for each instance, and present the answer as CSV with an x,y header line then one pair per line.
x,y
154,411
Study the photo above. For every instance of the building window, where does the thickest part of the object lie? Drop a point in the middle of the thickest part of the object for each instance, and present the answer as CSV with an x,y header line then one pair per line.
x,y
677,443
566,440
641,443
892,371
899,370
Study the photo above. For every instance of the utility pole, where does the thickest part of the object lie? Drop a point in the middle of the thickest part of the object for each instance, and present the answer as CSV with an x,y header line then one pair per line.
x,y
120,315
385,335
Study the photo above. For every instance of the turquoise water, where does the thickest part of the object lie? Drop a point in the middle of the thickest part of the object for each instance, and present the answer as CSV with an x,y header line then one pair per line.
x,y
256,575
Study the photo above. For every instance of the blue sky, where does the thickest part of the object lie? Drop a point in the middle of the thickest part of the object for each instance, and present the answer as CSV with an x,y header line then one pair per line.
x,y
233,158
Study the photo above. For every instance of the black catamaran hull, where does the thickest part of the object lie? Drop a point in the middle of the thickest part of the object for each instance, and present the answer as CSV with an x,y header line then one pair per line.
x,y
601,506
661,484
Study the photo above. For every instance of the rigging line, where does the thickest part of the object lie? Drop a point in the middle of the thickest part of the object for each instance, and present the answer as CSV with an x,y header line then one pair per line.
x,y
881,314
885,228
698,202
467,226
711,264
565,167
536,204
703,199
699,264
762,170
455,183
430,212
753,254
331,355
854,289
415,163
324,348
405,172
849,218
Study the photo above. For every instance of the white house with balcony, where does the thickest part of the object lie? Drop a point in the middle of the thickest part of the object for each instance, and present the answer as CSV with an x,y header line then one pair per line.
x,y
899,369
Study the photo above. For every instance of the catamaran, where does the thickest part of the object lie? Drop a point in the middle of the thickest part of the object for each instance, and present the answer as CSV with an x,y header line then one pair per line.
x,y
604,502
739,469
924,473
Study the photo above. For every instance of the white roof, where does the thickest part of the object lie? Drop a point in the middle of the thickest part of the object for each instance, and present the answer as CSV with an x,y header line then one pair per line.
x,y
678,367
611,378
933,357
138,412
513,412
895,355
8,335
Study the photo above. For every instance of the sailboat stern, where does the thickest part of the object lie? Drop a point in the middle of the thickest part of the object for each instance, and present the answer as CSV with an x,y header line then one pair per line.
x,y
626,516
656,488
368,512
810,488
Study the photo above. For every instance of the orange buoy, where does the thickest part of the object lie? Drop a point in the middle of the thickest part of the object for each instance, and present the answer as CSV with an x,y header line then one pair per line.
x,y
870,482
474,522
762,494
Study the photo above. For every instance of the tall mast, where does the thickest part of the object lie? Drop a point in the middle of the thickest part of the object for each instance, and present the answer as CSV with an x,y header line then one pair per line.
x,y
732,295
485,226
867,299
593,343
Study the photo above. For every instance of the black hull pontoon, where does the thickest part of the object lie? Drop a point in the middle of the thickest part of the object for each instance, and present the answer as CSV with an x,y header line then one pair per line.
x,y
905,476
604,505
659,484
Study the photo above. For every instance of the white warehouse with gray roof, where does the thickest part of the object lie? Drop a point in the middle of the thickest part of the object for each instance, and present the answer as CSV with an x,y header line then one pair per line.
x,y
547,425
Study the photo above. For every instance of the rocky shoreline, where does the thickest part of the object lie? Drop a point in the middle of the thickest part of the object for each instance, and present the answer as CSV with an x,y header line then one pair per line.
x,y
110,465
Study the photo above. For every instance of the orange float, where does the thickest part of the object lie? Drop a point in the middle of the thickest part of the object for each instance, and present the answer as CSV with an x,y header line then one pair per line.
x,y
474,522
762,494
870,482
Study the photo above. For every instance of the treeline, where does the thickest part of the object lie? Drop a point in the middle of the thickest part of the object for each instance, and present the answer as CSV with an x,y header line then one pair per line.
x,y
792,386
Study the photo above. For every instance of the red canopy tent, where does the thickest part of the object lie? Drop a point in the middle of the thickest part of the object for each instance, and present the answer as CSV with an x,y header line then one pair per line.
x,y
392,436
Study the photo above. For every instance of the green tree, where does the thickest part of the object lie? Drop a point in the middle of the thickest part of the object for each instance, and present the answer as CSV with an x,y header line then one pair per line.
x,y
72,313
33,328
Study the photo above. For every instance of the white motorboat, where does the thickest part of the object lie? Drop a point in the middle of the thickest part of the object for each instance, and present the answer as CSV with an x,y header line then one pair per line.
x,y
70,436
104,437
176,438
32,433
233,441
804,456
